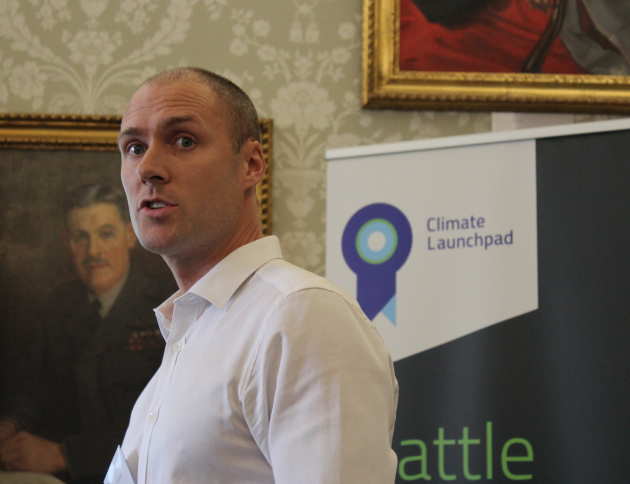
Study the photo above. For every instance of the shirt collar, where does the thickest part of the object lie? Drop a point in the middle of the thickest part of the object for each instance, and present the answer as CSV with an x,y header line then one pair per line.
x,y
222,281
108,298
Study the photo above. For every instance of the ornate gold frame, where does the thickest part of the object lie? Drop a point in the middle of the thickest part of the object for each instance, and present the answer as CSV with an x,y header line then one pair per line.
x,y
99,133
386,86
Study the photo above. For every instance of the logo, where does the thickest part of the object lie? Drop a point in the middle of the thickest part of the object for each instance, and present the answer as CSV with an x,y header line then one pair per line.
x,y
376,243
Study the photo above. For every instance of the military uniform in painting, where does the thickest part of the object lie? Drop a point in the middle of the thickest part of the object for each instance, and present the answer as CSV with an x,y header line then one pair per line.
x,y
90,370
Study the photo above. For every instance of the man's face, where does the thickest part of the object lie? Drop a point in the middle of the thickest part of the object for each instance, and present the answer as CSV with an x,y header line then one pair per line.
x,y
99,243
184,183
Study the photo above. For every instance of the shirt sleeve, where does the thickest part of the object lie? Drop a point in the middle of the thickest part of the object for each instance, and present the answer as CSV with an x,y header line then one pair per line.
x,y
322,396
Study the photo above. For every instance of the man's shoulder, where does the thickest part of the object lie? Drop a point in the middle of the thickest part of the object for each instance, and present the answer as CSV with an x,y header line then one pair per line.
x,y
140,294
288,279
152,288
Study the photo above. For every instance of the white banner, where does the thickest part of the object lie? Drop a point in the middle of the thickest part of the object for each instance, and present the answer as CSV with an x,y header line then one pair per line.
x,y
437,243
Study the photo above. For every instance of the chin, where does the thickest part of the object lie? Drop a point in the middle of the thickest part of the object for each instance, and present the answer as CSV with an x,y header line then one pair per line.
x,y
101,288
155,246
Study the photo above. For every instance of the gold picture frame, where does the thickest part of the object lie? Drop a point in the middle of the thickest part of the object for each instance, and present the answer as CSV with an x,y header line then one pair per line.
x,y
99,133
385,85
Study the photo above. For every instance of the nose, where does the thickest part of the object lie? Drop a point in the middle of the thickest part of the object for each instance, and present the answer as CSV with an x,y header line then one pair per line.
x,y
94,246
152,168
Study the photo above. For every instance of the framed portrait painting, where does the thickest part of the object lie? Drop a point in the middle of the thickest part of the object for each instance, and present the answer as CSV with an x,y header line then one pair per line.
x,y
516,55
78,337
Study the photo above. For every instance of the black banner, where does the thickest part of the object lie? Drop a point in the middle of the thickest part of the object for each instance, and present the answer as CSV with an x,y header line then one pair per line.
x,y
543,397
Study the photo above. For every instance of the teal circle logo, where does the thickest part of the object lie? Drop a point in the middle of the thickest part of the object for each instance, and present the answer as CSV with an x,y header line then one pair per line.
x,y
376,241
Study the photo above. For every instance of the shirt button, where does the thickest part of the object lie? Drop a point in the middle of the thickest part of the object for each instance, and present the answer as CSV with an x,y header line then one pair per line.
x,y
152,417
179,346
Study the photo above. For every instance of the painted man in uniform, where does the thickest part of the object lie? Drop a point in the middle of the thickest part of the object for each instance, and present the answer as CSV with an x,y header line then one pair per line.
x,y
98,347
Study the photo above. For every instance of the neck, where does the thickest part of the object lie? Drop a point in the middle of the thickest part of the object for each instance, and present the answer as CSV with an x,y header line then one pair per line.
x,y
190,268
108,298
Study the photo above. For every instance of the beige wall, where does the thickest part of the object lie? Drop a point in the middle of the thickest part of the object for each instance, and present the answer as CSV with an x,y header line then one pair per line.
x,y
299,60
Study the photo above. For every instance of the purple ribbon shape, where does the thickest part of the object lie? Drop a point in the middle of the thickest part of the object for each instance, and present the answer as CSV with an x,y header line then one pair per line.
x,y
376,267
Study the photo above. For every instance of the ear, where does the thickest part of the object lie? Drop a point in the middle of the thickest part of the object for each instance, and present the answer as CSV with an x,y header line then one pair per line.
x,y
130,236
255,164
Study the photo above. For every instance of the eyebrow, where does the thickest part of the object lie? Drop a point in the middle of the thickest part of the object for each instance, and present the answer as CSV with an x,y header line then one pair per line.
x,y
128,132
167,123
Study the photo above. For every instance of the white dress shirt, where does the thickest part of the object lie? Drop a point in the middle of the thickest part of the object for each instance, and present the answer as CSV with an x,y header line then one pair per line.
x,y
269,375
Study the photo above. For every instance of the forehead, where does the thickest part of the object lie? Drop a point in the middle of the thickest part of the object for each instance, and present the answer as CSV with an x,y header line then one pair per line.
x,y
94,216
160,100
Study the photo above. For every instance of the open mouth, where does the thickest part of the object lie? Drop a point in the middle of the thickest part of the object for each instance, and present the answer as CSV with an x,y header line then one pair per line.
x,y
155,204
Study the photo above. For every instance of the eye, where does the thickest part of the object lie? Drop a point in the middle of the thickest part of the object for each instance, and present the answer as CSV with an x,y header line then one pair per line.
x,y
78,237
135,149
107,233
185,142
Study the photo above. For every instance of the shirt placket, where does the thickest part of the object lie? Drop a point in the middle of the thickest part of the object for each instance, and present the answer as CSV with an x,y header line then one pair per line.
x,y
183,318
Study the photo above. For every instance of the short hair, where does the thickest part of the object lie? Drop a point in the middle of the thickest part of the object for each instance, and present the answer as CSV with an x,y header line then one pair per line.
x,y
92,193
240,108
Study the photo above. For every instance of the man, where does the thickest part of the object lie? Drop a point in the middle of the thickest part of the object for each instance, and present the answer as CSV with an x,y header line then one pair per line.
x,y
98,347
269,374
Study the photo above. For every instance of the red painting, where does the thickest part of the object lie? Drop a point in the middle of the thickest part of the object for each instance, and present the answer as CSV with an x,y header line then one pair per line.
x,y
515,36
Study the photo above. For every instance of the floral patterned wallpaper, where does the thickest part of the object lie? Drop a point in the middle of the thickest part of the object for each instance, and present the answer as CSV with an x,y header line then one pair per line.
x,y
298,59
